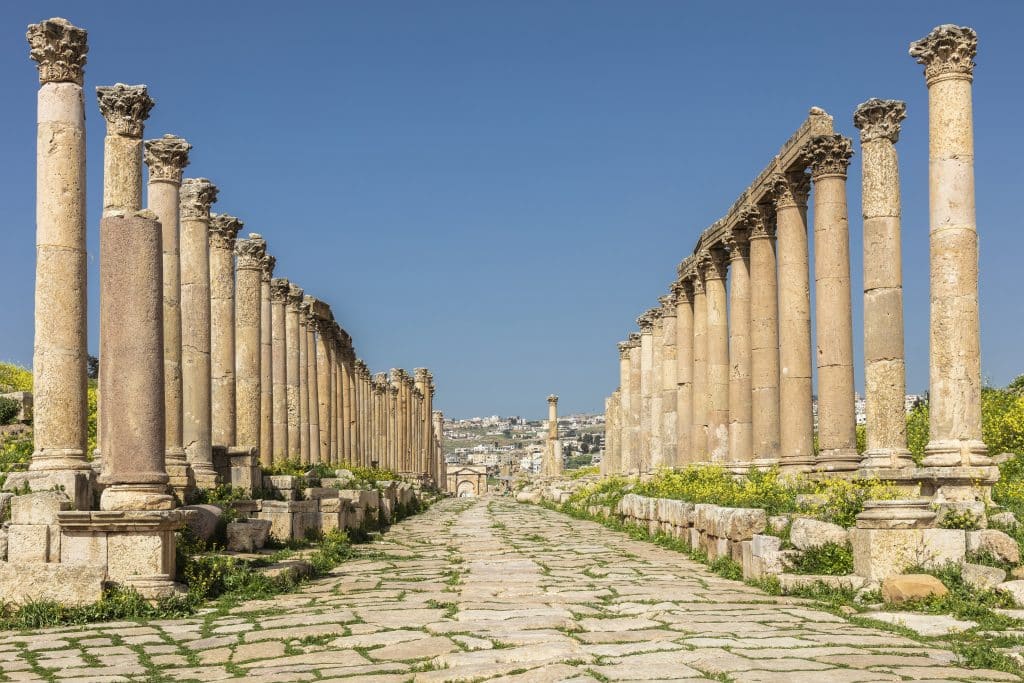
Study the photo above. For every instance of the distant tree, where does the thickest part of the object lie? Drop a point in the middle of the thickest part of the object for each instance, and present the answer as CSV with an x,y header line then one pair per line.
x,y
93,367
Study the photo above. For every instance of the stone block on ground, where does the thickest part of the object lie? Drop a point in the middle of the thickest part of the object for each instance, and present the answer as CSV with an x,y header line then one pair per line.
x,y
923,624
247,536
982,577
998,544
202,519
903,587
812,533
39,508
70,585
880,553
1015,589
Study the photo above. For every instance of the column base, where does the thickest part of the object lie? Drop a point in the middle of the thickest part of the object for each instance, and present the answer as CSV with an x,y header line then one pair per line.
x,y
205,476
136,497
76,484
956,453
797,464
54,459
837,460
886,459
181,480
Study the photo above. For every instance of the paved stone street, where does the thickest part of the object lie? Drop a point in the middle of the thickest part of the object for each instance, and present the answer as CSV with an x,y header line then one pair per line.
x,y
494,590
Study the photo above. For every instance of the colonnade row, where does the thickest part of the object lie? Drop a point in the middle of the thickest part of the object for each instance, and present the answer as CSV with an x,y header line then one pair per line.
x,y
201,347
721,369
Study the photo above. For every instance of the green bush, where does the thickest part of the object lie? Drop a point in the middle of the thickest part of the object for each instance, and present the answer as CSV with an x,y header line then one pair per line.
x,y
830,559
14,378
9,409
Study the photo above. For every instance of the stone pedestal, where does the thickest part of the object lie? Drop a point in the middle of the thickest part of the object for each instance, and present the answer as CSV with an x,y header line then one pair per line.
x,y
892,536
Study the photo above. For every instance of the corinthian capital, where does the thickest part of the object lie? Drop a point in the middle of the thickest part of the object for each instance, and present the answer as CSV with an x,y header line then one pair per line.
x,y
790,189
947,52
125,108
422,375
646,322
828,155
279,287
59,48
295,295
624,348
197,195
713,264
668,305
877,119
223,230
166,157
267,266
251,252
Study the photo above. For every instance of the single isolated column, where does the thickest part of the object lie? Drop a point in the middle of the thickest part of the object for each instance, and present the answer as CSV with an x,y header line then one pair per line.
x,y
741,443
303,382
166,158
954,377
684,372
279,288
884,367
314,381
266,363
829,156
669,382
251,253
132,348
764,337
60,353
555,465
223,232
197,194
701,397
715,270
796,413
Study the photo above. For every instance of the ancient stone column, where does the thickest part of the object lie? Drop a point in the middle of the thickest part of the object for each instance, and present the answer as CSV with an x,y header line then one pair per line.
x,y
643,452
291,345
348,417
60,354
701,398
323,379
422,376
303,382
223,232
669,382
197,194
166,158
655,459
764,336
313,380
334,353
610,461
554,447
884,368
741,435
635,464
684,372
954,377
829,157
251,253
266,363
796,414
279,288
438,433
380,381
132,348
625,396
715,268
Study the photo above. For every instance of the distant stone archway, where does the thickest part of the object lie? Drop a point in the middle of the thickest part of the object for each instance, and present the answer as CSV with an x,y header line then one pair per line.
x,y
468,481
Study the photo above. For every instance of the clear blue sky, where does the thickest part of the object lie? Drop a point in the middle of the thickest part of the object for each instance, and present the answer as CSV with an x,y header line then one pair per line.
x,y
495,190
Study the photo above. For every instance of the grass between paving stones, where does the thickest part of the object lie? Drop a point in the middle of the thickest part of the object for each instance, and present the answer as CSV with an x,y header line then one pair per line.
x,y
974,648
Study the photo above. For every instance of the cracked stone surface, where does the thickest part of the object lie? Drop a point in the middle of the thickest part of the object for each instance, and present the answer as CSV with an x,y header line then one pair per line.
x,y
489,589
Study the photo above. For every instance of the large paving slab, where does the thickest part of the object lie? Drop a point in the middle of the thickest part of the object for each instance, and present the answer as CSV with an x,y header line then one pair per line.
x,y
492,590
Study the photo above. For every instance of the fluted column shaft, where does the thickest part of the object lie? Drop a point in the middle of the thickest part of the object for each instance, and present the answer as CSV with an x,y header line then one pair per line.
x,y
717,357
741,446
223,231
764,340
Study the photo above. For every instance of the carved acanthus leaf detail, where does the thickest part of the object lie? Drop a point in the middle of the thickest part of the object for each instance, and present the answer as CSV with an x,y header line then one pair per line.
x,y
125,108
948,51
59,48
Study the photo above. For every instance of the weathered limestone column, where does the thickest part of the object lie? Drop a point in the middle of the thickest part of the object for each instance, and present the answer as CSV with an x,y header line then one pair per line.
x,y
333,353
266,363
554,465
701,397
684,372
764,336
348,405
796,413
223,232
715,270
656,457
60,353
954,434
380,381
362,416
884,367
635,402
252,253
166,158
669,383
390,400
741,435
323,380
132,347
611,460
313,380
279,288
341,352
197,194
291,344
625,396
643,452
303,382
829,157
422,376
438,433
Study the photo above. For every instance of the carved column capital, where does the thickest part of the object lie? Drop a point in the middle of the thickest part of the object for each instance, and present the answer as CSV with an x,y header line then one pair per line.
x,y
422,375
947,52
267,265
646,322
877,119
197,195
668,305
125,108
279,287
59,48
166,157
552,400
713,264
791,189
828,155
295,294
224,230
251,252
683,290
624,348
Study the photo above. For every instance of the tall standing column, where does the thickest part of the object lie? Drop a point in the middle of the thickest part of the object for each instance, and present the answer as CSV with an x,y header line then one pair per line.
x,y
392,421
764,337
715,269
684,372
60,353
348,405
266,363
741,437
223,232
669,382
884,368
701,397
380,381
438,431
635,402
313,379
323,380
291,345
279,288
248,346
796,416
656,458
954,377
333,352
829,157
166,158
304,449
625,397
131,344
643,453
340,353
197,194
554,464
423,446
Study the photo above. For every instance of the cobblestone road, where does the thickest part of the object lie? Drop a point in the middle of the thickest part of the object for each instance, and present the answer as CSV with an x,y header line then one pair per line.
x,y
494,590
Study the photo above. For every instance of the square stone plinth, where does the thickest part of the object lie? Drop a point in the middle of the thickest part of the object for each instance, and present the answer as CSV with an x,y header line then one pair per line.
x,y
77,485
291,519
880,553
69,585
